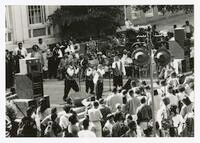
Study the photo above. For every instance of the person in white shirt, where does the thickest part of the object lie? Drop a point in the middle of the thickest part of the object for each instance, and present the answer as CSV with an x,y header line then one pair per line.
x,y
86,133
22,50
95,117
172,96
114,99
177,120
191,94
118,72
70,82
43,50
109,123
64,118
98,81
70,48
89,79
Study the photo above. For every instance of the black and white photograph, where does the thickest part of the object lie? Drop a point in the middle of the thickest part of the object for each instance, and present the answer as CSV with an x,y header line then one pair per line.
x,y
88,71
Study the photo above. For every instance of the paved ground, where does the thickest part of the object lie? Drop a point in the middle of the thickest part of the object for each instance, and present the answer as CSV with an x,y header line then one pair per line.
x,y
55,89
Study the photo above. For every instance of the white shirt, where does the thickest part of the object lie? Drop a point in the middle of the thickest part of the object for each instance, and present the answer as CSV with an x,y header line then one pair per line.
x,y
173,99
64,120
89,71
23,51
96,75
71,71
43,47
112,100
86,134
109,126
95,115
191,96
70,49
118,65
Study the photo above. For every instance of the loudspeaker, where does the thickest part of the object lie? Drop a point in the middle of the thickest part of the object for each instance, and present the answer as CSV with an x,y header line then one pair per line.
x,y
29,86
180,36
22,105
162,57
27,66
140,57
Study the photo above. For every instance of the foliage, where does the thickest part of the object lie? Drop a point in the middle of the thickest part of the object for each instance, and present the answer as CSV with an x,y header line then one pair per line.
x,y
165,8
85,21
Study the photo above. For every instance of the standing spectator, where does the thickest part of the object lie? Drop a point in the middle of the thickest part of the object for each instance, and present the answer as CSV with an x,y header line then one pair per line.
x,y
132,104
105,110
20,49
92,45
144,114
157,102
189,29
86,132
62,67
98,81
36,54
43,49
109,124
172,96
95,117
113,99
53,129
9,70
50,62
89,79
132,130
177,120
28,126
191,94
64,119
74,125
117,129
118,72
187,107
17,57
70,48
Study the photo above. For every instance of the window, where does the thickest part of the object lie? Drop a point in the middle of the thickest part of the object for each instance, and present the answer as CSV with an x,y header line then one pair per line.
x,y
39,32
37,14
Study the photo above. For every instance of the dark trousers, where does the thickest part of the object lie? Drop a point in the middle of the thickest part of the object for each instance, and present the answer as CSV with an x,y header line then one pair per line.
x,y
117,80
99,89
89,85
68,85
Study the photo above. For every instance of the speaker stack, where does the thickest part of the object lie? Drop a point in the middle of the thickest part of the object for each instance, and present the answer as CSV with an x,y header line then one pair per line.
x,y
29,85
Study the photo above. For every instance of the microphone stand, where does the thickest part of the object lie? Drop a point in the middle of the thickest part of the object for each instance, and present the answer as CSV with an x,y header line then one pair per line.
x,y
151,80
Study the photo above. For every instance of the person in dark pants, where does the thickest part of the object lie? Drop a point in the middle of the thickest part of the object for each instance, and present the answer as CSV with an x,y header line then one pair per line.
x,y
118,72
98,81
89,80
70,82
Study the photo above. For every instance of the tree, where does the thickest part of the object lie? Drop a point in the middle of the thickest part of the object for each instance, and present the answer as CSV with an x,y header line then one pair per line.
x,y
84,21
165,8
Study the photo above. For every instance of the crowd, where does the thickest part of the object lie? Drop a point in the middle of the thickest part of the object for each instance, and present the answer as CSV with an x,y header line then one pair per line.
x,y
126,112
123,113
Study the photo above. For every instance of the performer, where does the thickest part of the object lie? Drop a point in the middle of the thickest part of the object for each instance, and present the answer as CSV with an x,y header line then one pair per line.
x,y
118,72
98,81
70,82
89,79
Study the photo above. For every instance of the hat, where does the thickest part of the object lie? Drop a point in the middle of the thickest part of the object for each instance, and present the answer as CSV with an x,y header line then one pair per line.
x,y
109,116
99,53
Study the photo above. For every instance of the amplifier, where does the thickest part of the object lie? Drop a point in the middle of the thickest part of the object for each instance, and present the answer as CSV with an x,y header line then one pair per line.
x,y
29,86
29,65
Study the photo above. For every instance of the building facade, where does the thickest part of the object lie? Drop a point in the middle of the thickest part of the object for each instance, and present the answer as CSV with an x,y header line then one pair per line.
x,y
29,23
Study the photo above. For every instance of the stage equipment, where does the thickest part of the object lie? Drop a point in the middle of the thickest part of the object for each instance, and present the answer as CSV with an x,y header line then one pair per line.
x,y
140,57
162,57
